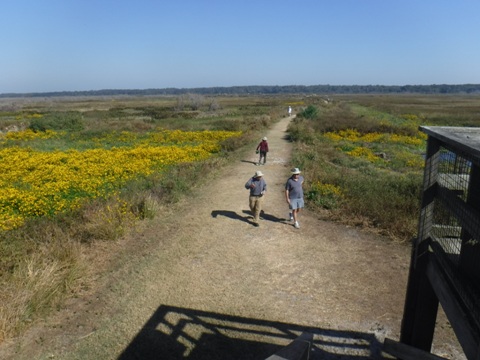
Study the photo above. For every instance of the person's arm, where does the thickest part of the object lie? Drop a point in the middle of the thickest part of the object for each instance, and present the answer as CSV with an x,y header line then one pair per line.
x,y
248,184
287,193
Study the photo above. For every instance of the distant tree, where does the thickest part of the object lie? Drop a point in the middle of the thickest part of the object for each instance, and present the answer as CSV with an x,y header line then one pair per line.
x,y
214,105
196,101
181,103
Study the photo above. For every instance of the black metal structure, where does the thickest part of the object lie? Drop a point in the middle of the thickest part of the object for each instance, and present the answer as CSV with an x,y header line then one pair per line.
x,y
445,263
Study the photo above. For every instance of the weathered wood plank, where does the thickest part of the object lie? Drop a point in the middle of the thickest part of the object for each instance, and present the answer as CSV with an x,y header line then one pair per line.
x,y
298,349
467,335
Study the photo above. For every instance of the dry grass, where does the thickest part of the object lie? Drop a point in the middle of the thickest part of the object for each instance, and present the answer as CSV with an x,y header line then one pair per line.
x,y
39,283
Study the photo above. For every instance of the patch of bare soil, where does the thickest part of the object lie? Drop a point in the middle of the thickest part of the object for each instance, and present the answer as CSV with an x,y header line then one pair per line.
x,y
201,282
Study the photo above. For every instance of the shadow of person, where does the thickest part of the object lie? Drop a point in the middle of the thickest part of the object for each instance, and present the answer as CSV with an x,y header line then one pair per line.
x,y
232,215
250,162
267,217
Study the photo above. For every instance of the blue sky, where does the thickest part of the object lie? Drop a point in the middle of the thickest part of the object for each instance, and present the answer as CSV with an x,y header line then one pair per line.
x,y
76,45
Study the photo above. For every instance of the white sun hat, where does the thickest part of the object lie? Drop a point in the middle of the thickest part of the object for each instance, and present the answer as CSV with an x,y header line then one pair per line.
x,y
264,138
258,174
296,171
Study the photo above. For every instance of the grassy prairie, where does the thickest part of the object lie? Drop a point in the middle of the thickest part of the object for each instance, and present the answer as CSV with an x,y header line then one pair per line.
x,y
364,154
362,157
80,171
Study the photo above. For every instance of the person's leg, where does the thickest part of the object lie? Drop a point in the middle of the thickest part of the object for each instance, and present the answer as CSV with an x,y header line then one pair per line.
x,y
258,208
251,204
294,214
296,205
264,158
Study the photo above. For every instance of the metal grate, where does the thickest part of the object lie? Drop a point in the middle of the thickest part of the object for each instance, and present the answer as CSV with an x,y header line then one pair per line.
x,y
451,219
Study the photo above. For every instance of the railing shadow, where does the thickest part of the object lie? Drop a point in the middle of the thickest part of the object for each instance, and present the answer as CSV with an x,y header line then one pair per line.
x,y
177,333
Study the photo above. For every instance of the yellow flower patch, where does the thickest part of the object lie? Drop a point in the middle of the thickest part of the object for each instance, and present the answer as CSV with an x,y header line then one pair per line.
x,y
365,153
34,183
29,134
324,189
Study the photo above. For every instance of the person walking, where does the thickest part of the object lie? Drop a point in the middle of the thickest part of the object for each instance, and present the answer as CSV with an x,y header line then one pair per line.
x,y
258,187
262,148
289,111
294,195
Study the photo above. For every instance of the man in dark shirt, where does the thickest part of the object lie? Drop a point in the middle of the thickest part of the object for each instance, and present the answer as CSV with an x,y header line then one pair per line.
x,y
294,195
258,187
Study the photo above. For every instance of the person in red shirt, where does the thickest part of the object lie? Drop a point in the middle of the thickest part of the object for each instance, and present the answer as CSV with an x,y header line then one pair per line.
x,y
262,149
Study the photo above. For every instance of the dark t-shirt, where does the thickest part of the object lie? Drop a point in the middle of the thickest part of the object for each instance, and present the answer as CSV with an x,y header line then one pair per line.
x,y
295,190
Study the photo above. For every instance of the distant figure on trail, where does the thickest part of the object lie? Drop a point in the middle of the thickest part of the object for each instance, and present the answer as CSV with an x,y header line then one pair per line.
x,y
294,195
289,111
262,148
258,187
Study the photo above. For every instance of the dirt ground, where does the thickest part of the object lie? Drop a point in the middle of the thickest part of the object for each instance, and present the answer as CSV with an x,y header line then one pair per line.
x,y
201,282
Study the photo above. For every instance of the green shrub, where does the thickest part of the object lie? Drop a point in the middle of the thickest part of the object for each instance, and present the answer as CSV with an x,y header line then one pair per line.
x,y
324,195
60,121
391,202
311,112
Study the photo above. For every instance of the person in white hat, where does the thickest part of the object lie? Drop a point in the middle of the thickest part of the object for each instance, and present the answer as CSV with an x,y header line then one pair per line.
x,y
262,148
258,187
294,195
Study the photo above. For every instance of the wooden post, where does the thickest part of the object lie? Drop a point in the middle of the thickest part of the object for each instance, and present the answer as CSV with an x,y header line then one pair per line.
x,y
421,302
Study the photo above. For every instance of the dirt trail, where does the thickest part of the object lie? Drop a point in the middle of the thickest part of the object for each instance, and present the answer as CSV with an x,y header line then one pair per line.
x,y
204,283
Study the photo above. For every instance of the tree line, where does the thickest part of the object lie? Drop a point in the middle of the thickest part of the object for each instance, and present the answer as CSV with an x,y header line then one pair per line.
x,y
269,90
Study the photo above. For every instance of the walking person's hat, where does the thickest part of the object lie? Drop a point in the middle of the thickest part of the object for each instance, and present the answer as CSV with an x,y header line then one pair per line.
x,y
264,138
258,174
296,171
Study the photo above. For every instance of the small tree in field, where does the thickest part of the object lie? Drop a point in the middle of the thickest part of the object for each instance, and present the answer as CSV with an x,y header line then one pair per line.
x,y
196,101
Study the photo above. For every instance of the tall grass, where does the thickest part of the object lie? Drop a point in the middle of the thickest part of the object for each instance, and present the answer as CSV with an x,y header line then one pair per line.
x,y
35,281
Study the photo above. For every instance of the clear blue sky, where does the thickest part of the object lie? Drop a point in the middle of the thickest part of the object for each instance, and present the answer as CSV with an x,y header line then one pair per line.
x,y
69,45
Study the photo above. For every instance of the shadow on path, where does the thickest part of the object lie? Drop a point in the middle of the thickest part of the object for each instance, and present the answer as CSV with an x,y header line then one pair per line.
x,y
250,162
268,217
174,333
232,215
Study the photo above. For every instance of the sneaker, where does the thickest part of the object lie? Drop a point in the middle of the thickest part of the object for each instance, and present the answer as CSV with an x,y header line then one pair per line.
x,y
291,217
297,226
